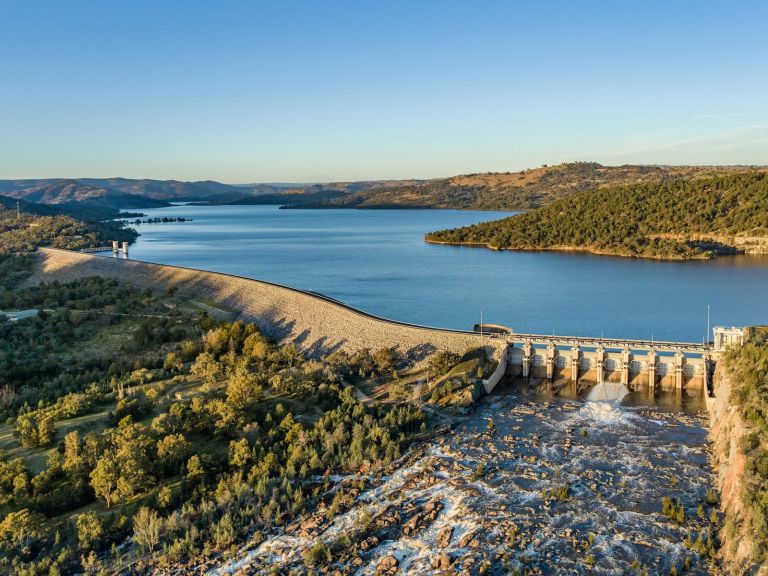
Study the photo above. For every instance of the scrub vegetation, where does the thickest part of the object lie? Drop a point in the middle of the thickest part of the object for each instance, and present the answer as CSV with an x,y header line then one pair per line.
x,y
139,433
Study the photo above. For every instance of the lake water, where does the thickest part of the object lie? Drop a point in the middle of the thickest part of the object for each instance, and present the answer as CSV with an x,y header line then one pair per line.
x,y
377,260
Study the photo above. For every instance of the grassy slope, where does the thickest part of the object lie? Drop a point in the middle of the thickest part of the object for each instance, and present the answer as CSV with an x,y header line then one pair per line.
x,y
672,219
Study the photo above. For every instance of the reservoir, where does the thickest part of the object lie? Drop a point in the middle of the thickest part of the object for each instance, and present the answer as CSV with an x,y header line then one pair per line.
x,y
377,260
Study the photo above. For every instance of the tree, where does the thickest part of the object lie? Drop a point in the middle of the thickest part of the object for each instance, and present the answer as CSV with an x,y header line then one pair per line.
x,y
7,395
46,431
75,465
195,467
318,554
385,360
224,531
90,530
172,450
239,453
172,363
242,389
255,347
164,497
132,448
291,354
442,362
105,478
26,431
207,366
19,530
146,528
188,350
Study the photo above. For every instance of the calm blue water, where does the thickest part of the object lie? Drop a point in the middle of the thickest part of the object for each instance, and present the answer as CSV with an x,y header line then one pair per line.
x,y
377,260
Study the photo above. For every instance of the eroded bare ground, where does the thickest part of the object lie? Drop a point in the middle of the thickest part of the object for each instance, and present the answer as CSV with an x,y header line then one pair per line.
x,y
555,486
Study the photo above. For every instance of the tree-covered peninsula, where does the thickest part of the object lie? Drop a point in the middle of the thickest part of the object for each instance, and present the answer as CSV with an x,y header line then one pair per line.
x,y
671,219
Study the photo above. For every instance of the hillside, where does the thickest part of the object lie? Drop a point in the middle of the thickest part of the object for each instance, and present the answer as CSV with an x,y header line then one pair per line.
x,y
40,225
678,219
513,190
73,191
297,197
168,190
147,193
522,190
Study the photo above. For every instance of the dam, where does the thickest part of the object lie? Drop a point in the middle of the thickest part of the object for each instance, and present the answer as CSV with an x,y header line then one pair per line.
x,y
318,324
637,364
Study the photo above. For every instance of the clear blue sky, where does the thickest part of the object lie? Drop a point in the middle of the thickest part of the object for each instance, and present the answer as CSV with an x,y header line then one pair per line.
x,y
249,91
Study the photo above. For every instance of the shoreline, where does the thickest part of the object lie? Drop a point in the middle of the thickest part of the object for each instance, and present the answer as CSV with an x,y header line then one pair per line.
x,y
574,249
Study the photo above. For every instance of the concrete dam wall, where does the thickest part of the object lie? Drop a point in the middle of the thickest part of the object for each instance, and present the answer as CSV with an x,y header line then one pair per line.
x,y
316,324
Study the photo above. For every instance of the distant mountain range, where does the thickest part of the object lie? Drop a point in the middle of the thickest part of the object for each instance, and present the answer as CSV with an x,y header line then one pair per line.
x,y
114,192
487,191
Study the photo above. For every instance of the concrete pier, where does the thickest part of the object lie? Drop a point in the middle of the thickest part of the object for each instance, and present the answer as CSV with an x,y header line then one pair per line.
x,y
633,363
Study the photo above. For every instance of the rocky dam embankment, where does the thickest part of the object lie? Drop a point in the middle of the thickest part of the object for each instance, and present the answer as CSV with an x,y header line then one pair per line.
x,y
316,324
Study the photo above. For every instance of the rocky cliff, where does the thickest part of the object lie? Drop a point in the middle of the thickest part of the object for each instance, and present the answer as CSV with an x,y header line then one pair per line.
x,y
727,429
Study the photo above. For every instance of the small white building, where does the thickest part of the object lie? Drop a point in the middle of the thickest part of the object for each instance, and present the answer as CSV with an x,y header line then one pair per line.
x,y
725,337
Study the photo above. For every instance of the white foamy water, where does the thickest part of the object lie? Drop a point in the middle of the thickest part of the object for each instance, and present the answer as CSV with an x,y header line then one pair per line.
x,y
610,392
615,464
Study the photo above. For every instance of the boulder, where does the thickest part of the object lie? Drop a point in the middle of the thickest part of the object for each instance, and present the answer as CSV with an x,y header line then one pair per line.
x,y
442,562
387,566
468,540
369,543
444,536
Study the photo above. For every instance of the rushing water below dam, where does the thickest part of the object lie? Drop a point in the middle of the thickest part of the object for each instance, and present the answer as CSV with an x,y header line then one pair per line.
x,y
377,260
559,486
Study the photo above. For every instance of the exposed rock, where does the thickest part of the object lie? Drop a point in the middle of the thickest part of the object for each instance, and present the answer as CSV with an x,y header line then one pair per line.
x,y
468,540
444,536
387,566
369,543
442,562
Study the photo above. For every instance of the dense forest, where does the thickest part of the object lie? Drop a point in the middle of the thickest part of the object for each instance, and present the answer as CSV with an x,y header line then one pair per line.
x,y
695,218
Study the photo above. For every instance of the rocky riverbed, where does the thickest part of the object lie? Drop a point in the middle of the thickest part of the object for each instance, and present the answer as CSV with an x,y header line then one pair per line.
x,y
524,485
